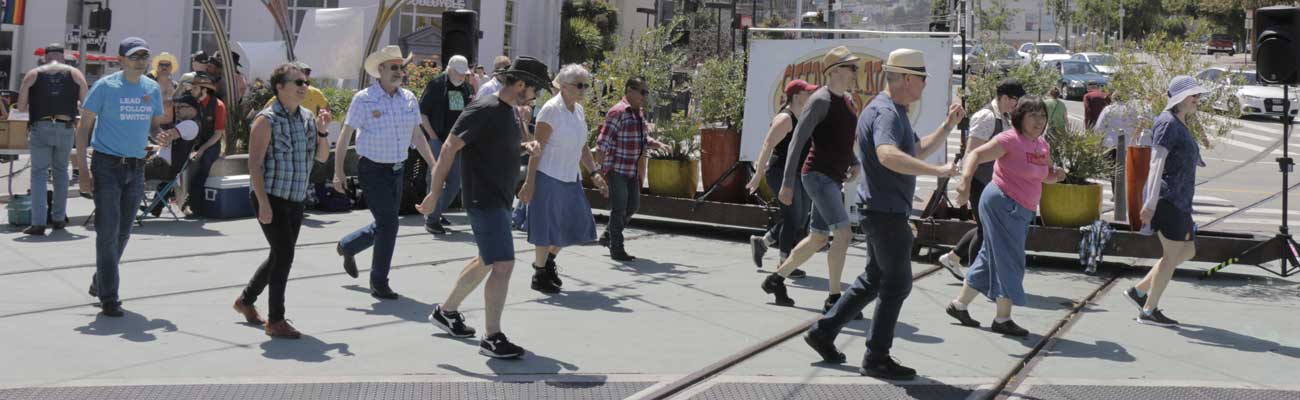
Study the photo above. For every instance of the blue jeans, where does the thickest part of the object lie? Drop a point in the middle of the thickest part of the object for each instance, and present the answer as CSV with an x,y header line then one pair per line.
x,y
202,168
888,275
792,226
382,185
999,268
450,187
828,212
50,143
118,189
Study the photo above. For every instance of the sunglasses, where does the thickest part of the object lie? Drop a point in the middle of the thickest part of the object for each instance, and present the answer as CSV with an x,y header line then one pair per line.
x,y
138,57
397,68
164,65
580,85
299,82
851,67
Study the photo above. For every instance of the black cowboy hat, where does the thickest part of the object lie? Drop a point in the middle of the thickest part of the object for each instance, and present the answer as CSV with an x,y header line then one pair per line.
x,y
533,71
216,59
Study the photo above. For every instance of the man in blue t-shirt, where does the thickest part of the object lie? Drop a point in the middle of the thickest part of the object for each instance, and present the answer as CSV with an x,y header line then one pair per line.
x,y
124,108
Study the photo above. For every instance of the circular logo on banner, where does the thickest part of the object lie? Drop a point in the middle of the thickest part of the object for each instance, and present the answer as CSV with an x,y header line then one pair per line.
x,y
869,82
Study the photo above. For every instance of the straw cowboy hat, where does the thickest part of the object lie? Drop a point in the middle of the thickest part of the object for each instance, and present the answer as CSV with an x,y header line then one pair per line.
x,y
836,57
906,61
388,53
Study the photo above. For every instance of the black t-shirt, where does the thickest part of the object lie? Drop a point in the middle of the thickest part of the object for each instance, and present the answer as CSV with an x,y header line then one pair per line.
x,y
443,102
490,157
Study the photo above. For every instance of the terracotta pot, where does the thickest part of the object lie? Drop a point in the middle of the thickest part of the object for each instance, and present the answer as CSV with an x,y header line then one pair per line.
x,y
1137,164
674,178
1070,206
719,150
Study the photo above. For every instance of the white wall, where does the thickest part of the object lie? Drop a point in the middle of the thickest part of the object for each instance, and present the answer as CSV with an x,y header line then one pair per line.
x,y
492,21
537,30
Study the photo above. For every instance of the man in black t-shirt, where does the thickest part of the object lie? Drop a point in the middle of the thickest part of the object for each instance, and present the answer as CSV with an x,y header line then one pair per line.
x,y
444,98
488,135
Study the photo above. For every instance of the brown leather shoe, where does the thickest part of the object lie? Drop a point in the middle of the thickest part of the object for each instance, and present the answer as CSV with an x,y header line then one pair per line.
x,y
282,329
249,312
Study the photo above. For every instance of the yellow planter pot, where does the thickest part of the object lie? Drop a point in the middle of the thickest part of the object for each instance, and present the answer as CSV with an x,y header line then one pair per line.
x,y
1070,205
674,178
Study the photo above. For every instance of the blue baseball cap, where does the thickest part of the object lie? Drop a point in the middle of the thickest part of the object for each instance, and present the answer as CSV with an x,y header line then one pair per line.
x,y
131,45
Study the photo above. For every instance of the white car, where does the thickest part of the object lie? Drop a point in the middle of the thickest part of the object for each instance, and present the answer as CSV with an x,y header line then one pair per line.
x,y
1105,63
1253,97
1040,52
972,51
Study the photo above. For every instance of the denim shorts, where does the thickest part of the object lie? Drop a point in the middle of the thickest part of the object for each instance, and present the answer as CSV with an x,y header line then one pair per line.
x,y
828,211
492,234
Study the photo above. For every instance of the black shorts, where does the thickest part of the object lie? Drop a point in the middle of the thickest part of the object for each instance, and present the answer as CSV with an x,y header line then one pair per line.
x,y
1174,224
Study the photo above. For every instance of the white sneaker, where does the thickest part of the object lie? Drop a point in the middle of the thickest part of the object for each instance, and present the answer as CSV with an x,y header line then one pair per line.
x,y
950,263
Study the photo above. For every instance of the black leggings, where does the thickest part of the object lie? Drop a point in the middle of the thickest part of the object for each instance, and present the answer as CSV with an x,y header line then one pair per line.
x,y
969,245
282,235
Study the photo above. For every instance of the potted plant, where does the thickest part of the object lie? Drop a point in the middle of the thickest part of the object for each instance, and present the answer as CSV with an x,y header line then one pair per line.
x,y
719,90
1076,201
675,172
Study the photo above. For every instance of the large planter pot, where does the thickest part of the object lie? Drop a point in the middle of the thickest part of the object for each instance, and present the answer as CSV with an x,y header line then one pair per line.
x,y
719,150
674,178
1070,206
1137,164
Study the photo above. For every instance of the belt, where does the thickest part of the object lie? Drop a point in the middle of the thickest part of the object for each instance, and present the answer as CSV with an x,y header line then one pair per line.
x,y
51,118
53,121
130,161
395,166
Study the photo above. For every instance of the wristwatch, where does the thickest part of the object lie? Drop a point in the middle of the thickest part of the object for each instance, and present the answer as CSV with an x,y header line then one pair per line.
x,y
323,134
595,174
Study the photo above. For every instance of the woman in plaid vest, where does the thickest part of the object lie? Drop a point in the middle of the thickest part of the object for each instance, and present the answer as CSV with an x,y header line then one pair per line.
x,y
285,140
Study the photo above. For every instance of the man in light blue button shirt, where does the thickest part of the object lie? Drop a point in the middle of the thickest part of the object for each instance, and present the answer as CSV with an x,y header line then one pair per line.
x,y
387,120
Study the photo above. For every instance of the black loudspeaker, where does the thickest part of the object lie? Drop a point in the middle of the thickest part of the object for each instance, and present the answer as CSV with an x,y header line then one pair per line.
x,y
101,20
460,35
1277,51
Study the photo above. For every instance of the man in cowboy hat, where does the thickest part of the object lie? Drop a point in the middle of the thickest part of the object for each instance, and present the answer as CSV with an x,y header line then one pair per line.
x,y
892,156
207,145
50,93
198,63
387,120
217,67
488,132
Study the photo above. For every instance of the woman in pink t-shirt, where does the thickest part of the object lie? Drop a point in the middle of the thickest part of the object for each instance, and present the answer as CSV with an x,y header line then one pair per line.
x,y
1007,208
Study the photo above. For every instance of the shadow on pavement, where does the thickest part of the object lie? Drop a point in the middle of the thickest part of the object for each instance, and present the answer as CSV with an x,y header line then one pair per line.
x,y
1216,337
406,308
585,300
305,349
132,326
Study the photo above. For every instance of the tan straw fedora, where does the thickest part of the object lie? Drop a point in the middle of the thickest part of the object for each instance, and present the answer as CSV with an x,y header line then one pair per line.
x,y
906,61
836,57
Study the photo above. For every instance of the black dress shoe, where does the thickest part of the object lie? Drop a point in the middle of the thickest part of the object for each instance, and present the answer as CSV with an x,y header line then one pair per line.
x,y
444,222
887,369
35,230
824,348
1009,328
111,310
384,293
435,229
349,262
59,225
798,273
962,316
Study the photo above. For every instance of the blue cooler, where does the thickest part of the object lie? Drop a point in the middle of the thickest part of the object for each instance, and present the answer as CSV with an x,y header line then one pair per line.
x,y
227,197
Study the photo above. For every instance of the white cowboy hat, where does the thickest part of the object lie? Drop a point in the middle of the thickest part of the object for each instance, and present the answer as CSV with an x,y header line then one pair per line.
x,y
1180,88
388,53
906,61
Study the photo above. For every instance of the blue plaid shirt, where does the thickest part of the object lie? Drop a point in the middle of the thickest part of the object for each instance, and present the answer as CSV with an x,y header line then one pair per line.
x,y
291,154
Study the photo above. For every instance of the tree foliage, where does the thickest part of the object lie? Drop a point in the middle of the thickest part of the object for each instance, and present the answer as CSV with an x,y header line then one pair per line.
x,y
588,29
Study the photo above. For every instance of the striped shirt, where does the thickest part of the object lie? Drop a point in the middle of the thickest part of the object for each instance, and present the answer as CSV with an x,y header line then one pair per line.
x,y
291,154
384,123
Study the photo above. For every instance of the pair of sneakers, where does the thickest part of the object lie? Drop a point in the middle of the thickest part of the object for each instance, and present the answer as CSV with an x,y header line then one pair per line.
x,y
1155,317
495,345
875,367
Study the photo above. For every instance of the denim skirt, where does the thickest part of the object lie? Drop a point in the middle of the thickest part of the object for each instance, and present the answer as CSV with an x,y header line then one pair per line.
x,y
559,214
999,269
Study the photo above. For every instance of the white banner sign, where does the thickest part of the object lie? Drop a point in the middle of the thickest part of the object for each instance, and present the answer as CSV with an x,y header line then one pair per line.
x,y
333,41
773,63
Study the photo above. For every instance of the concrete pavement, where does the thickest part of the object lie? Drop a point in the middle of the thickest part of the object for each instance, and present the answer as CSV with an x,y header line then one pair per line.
x,y
617,331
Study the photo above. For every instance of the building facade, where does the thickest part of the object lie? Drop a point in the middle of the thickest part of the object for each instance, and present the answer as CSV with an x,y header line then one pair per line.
x,y
180,27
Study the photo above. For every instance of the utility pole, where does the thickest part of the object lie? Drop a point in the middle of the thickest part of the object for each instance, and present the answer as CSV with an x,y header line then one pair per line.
x,y
1040,20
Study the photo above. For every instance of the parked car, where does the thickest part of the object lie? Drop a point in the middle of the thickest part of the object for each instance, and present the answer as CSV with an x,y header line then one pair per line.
x,y
972,52
1104,62
1220,44
1075,77
1039,52
998,63
1253,97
